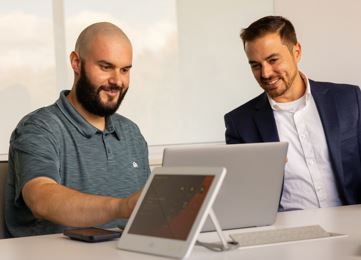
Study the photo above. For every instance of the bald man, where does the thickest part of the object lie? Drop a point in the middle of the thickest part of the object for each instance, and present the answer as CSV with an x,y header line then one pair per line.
x,y
77,163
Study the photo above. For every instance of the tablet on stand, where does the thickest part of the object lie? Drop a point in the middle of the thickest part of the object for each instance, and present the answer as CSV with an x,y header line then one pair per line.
x,y
171,211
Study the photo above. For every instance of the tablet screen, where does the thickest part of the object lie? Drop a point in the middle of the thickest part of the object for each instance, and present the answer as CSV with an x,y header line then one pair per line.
x,y
171,205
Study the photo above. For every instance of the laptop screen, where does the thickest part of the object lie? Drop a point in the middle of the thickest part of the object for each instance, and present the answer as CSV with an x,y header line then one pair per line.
x,y
250,192
171,206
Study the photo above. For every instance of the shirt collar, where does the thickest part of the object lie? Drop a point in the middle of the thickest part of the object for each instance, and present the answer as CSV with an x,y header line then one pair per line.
x,y
79,122
276,106
111,128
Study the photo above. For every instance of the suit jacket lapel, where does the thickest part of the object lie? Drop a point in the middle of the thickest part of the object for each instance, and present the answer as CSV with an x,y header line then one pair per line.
x,y
265,121
325,103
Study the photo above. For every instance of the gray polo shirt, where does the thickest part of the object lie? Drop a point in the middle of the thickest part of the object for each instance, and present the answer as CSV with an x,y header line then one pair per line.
x,y
57,142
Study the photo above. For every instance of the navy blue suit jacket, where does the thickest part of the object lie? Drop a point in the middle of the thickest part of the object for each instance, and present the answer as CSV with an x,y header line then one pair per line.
x,y
339,107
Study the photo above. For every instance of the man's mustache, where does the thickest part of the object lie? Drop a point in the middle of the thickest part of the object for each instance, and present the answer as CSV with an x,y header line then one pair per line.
x,y
110,88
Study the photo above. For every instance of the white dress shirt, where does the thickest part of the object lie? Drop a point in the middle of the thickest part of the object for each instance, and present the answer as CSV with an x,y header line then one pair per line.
x,y
309,180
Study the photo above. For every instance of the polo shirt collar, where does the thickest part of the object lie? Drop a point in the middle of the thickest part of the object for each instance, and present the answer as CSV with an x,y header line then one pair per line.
x,y
79,122
111,128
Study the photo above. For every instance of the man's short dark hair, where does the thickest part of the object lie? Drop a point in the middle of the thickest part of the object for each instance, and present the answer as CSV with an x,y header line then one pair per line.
x,y
270,24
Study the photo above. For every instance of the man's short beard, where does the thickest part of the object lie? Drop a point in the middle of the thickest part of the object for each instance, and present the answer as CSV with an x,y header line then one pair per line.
x,y
88,95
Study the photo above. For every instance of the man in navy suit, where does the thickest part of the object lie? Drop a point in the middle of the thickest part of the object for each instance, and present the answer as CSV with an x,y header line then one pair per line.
x,y
320,120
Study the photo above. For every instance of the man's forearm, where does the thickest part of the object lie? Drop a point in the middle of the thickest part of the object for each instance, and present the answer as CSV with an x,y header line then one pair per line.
x,y
68,207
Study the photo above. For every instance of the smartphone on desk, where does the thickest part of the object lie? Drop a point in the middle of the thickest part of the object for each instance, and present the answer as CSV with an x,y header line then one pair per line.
x,y
92,234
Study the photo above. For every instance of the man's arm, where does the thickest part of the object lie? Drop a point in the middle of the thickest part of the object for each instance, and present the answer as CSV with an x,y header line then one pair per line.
x,y
230,134
358,96
59,204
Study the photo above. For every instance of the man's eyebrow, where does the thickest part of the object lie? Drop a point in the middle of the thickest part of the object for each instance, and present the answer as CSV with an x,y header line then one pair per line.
x,y
273,55
104,62
128,67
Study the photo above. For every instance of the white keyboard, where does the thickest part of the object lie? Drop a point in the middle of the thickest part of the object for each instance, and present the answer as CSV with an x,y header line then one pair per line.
x,y
263,237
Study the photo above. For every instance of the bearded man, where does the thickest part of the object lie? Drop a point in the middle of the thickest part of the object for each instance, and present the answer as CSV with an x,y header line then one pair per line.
x,y
77,163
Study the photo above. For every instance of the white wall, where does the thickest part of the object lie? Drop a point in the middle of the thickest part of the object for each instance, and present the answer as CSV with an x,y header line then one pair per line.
x,y
209,71
330,36
189,66
214,75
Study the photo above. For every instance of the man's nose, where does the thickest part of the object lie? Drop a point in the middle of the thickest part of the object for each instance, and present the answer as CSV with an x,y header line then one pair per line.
x,y
266,71
116,78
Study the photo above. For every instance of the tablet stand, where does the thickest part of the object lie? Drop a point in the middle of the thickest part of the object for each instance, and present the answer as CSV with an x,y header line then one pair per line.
x,y
223,245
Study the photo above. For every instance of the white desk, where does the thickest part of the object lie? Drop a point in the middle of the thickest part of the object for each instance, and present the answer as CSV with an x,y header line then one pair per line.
x,y
345,220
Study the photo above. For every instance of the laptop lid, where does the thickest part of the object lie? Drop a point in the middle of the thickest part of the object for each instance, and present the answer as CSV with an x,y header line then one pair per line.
x,y
251,191
171,210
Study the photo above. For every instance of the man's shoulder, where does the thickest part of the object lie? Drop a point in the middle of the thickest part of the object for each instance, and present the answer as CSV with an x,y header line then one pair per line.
x,y
332,86
43,117
246,108
37,129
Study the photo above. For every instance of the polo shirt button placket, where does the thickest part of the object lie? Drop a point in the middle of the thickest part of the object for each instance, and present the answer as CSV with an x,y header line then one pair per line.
x,y
106,146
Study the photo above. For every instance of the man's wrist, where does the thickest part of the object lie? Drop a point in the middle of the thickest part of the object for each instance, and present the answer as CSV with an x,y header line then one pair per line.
x,y
122,209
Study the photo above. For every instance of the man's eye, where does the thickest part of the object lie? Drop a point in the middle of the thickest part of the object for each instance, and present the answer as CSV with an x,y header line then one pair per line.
x,y
255,66
273,61
105,67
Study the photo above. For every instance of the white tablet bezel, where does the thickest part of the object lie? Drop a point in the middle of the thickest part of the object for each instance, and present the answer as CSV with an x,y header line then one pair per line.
x,y
172,247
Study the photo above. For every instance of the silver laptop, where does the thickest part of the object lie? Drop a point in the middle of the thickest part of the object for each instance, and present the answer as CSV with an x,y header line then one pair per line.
x,y
251,191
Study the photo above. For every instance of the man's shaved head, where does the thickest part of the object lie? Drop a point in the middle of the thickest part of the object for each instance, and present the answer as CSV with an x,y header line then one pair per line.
x,y
90,33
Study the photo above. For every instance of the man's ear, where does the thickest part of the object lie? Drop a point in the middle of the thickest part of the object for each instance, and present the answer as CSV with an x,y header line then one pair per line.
x,y
75,62
297,51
